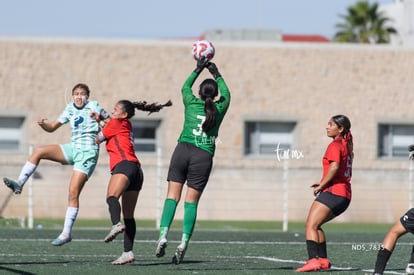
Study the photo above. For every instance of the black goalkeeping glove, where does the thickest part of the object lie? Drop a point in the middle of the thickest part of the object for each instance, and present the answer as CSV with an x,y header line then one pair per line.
x,y
411,151
212,68
201,64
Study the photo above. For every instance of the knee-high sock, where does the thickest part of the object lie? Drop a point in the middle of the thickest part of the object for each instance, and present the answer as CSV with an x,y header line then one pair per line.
x,y
167,216
129,235
322,252
27,170
190,217
114,208
412,255
312,248
70,217
382,258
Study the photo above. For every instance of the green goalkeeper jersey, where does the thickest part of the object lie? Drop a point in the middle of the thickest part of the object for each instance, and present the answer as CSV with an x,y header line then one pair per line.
x,y
194,115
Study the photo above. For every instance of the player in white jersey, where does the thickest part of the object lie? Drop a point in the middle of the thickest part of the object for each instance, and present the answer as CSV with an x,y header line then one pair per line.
x,y
82,152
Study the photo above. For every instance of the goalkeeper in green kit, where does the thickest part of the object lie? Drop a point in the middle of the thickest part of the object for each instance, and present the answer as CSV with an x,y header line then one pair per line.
x,y
192,159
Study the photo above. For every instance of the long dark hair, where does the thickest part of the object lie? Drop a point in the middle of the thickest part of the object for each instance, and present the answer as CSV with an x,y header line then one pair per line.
x,y
345,123
208,91
129,107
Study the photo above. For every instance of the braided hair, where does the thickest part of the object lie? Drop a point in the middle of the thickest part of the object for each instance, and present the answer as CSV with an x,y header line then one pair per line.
x,y
129,107
208,91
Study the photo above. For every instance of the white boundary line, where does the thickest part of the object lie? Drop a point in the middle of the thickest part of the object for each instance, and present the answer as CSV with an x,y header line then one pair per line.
x,y
264,258
332,268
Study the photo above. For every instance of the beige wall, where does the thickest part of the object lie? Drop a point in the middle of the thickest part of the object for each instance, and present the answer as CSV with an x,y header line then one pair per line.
x,y
304,82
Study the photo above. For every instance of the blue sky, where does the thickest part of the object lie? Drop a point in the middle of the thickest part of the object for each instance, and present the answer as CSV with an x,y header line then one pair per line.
x,y
166,18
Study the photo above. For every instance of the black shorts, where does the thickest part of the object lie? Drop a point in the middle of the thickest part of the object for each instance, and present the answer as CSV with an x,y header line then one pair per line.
x,y
133,172
337,204
407,220
190,164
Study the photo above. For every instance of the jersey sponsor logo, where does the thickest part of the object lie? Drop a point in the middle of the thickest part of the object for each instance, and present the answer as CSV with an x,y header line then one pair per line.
x,y
78,121
205,140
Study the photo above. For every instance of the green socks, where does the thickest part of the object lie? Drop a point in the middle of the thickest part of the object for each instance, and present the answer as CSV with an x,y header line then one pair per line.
x,y
190,216
167,217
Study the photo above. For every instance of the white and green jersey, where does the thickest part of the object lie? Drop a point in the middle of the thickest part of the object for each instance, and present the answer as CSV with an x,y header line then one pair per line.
x,y
84,127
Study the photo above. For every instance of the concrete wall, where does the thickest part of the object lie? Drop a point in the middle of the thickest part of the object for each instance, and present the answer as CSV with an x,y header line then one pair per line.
x,y
305,82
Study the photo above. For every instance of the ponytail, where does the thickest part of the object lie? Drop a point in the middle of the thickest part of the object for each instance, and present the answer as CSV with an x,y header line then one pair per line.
x,y
208,91
210,110
350,143
129,107
151,108
344,122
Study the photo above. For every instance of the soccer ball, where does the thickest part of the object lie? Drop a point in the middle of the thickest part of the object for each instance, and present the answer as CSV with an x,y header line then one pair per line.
x,y
203,48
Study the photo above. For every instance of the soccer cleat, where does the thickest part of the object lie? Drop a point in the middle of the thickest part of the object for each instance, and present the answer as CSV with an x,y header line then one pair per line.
x,y
161,246
13,185
179,254
61,240
325,263
115,230
409,270
311,265
126,257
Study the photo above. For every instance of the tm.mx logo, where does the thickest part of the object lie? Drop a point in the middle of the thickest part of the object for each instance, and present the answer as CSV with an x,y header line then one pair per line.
x,y
288,153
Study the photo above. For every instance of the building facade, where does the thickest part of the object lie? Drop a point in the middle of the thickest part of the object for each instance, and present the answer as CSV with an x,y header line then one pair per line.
x,y
270,144
401,13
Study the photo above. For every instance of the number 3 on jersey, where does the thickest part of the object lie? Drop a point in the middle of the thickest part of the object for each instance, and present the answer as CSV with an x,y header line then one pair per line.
x,y
199,130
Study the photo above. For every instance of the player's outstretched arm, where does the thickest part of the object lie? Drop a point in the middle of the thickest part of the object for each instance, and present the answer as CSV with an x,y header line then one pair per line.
x,y
49,127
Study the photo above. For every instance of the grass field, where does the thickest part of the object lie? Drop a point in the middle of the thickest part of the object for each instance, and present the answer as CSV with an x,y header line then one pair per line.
x,y
216,248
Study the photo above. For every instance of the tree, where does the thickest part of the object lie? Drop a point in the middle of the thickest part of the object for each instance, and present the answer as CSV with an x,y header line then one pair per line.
x,y
364,24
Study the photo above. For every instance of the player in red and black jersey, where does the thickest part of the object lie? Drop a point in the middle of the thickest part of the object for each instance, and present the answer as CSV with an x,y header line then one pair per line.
x,y
333,191
401,227
126,173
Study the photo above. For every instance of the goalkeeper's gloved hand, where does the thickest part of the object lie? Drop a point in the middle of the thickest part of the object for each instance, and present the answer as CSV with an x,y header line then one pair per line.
x,y
411,151
201,64
212,68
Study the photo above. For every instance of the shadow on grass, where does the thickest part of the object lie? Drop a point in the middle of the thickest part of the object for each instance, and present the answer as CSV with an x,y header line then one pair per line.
x,y
166,263
16,271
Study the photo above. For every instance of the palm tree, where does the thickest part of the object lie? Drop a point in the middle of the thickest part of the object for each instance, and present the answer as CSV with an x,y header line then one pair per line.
x,y
364,24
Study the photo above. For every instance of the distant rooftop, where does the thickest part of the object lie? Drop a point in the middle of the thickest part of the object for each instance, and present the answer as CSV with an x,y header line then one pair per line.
x,y
304,38
259,35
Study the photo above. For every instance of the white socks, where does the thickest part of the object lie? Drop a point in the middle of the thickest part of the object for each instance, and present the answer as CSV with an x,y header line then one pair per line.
x,y
71,213
27,170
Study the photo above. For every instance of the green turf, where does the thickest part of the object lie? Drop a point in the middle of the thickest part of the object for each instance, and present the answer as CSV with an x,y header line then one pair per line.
x,y
206,225
352,250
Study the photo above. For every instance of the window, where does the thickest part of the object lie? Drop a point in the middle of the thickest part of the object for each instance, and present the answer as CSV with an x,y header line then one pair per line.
x,y
394,139
263,138
11,134
145,135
